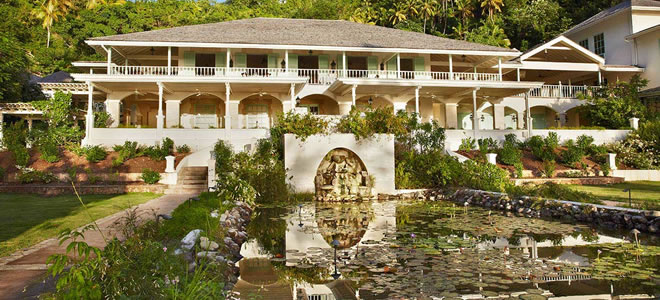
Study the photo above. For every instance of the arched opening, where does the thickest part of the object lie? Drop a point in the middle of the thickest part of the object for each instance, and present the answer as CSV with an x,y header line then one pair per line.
x,y
425,108
139,110
317,104
544,117
202,111
575,117
342,176
258,111
510,118
365,102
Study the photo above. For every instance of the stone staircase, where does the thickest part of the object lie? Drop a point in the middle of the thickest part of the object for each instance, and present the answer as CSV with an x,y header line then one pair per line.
x,y
191,180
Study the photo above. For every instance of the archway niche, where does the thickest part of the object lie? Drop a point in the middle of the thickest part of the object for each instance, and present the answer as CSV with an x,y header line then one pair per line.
x,y
202,111
544,117
342,176
318,104
139,110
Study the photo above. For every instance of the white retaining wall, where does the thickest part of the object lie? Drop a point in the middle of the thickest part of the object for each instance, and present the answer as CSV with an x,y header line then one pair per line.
x,y
636,175
302,159
454,136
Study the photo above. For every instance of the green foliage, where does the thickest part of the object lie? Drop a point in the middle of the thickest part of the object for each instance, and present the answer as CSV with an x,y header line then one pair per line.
x,y
60,115
585,143
94,154
544,149
429,136
126,151
613,106
102,119
519,169
183,149
28,175
159,152
486,145
223,157
488,33
14,138
548,168
150,176
429,169
300,125
509,154
605,168
381,120
573,153
483,176
649,132
551,190
636,152
467,144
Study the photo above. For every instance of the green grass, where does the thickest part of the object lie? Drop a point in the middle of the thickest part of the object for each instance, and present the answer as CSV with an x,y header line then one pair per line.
x,y
26,219
642,192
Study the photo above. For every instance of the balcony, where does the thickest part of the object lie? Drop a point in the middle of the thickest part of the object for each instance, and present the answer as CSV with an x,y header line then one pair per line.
x,y
314,76
561,91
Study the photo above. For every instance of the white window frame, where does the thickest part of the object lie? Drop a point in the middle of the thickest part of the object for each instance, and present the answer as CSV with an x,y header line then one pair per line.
x,y
599,44
309,106
584,43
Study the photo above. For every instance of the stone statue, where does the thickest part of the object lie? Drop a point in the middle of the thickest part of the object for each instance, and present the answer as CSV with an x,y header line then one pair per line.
x,y
342,177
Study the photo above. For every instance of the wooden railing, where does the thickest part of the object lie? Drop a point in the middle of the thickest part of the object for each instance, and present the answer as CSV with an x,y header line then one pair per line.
x,y
315,76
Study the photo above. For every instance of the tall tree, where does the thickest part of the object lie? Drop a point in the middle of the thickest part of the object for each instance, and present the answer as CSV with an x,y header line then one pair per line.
x,y
428,9
492,6
50,11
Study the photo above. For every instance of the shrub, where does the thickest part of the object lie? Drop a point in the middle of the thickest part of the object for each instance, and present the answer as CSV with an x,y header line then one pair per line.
x,y
513,139
364,124
102,119
61,116
549,167
48,150
650,132
483,176
2,174
585,143
636,152
150,176
91,178
224,156
509,154
126,151
486,145
429,136
94,153
159,152
552,190
72,172
544,149
183,149
29,175
519,169
432,169
572,154
605,168
467,144
14,138
552,140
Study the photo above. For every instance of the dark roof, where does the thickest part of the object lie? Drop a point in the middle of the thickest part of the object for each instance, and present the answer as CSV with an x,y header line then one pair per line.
x,y
611,11
650,92
59,76
303,32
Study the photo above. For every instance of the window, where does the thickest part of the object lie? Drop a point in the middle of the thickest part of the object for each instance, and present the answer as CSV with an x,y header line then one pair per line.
x,y
599,44
584,43
311,108
256,109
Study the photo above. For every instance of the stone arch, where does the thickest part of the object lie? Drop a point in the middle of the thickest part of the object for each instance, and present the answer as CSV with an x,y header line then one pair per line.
x,y
378,101
342,175
543,117
320,104
199,109
139,110
258,110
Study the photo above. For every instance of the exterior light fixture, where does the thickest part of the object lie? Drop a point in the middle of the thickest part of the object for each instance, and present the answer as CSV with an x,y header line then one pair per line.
x,y
382,66
152,50
371,101
629,196
310,52
297,101
335,244
333,65
283,64
231,63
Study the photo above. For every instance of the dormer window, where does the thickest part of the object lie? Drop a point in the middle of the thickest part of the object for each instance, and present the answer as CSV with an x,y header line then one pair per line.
x,y
584,43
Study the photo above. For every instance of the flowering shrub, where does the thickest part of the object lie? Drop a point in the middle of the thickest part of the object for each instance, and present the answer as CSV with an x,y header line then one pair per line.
x,y
29,175
636,152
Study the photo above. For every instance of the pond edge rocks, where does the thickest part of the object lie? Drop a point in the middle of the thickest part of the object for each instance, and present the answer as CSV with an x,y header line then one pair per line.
x,y
604,216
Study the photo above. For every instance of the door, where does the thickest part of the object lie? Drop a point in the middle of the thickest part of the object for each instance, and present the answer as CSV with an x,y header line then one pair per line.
x,y
308,66
358,64
407,66
205,64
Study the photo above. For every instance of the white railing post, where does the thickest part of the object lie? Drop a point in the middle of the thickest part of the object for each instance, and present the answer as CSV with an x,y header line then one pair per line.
x,y
169,60
451,68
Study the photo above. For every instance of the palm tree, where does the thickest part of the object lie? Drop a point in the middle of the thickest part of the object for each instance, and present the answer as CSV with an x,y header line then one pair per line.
x,y
398,14
465,8
427,8
492,6
50,11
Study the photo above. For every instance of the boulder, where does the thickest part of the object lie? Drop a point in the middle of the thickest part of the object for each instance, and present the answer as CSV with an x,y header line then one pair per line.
x,y
189,241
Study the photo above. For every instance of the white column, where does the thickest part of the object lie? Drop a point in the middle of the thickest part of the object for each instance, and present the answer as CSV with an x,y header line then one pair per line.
x,y
109,59
227,62
173,109
353,91
286,61
451,115
475,117
227,112
112,107
417,101
528,120
343,65
344,108
89,119
600,78
169,60
451,68
499,67
498,116
398,65
292,103
160,118
518,74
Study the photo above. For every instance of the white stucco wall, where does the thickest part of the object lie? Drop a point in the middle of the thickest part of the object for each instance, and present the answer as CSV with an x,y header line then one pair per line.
x,y
302,159
636,175
643,19
648,56
614,29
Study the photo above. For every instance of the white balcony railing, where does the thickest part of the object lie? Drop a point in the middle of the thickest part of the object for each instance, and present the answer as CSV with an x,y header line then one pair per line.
x,y
314,76
561,91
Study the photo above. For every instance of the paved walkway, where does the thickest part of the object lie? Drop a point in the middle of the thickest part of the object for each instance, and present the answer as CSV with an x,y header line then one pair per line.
x,y
23,274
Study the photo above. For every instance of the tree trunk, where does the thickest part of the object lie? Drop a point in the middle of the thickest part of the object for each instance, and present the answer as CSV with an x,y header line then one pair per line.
x,y
424,24
48,39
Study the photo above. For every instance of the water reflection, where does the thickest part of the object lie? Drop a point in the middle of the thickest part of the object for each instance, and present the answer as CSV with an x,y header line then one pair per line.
x,y
408,250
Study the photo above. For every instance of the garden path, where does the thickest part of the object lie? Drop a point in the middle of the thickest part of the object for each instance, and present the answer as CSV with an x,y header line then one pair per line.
x,y
23,274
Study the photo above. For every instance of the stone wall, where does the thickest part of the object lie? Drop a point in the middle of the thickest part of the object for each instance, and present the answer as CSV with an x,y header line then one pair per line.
x,y
64,189
600,215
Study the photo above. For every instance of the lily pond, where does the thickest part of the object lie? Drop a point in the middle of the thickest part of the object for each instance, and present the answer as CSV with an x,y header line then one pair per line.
x,y
436,250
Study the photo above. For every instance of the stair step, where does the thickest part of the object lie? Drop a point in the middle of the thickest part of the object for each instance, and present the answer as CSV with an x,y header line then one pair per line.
x,y
193,181
190,186
194,177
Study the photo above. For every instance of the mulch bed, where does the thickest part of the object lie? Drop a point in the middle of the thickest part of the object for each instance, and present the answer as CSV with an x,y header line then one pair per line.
x,y
68,159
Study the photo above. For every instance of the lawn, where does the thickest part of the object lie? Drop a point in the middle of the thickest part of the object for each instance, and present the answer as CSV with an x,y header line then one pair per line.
x,y
642,191
28,219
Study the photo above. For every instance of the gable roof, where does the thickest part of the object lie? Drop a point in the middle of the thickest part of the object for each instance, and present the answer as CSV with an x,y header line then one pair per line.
x,y
562,40
301,32
610,12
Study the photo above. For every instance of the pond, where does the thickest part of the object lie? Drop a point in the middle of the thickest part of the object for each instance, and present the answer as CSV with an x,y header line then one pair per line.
x,y
434,250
